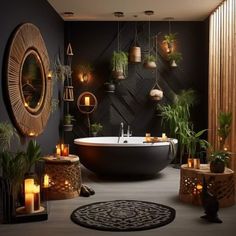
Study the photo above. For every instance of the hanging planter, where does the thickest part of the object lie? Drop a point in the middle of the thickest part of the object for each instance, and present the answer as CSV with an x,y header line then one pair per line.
x,y
149,62
135,54
174,58
156,94
119,65
68,126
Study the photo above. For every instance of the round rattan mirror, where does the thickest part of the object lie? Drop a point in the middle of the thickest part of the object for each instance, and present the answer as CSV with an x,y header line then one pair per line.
x,y
29,89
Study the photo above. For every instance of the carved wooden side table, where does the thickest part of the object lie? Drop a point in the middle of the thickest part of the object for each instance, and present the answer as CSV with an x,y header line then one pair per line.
x,y
220,185
64,177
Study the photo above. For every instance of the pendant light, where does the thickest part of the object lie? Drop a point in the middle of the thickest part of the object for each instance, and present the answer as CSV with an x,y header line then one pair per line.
x,y
135,50
150,60
169,38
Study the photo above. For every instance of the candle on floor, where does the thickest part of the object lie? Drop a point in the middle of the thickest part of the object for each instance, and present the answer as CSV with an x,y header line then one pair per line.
x,y
29,195
36,197
87,101
46,181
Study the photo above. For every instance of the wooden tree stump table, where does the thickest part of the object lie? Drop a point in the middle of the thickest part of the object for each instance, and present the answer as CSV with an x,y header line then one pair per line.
x,y
64,177
220,185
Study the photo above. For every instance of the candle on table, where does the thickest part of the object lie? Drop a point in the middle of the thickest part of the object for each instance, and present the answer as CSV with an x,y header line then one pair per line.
x,y
87,101
65,150
190,162
29,195
36,197
148,137
164,137
46,181
58,150
196,163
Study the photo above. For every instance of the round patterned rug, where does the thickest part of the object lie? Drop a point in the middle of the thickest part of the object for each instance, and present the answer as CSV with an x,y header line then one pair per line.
x,y
123,215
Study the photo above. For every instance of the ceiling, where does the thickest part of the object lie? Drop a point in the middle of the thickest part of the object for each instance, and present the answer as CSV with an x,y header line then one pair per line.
x,y
102,10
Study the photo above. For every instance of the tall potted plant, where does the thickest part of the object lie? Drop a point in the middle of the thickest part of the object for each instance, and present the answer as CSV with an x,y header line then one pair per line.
x,y
119,65
176,117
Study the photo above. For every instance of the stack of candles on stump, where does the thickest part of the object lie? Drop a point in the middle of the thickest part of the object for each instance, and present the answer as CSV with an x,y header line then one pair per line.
x,y
62,149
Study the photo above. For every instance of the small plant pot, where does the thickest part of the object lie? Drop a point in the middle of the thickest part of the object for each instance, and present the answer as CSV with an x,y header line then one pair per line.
x,y
135,55
110,87
118,74
68,127
149,65
217,166
156,94
173,64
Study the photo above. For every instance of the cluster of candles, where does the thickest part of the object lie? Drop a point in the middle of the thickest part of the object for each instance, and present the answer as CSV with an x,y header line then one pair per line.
x,y
32,196
194,163
148,137
62,149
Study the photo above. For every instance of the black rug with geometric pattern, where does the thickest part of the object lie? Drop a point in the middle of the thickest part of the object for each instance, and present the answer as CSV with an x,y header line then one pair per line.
x,y
123,215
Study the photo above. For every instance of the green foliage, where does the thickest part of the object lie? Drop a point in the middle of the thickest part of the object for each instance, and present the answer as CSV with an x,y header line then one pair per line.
x,y
7,131
175,56
220,156
60,71
176,117
96,127
120,61
149,58
68,118
225,120
169,38
32,155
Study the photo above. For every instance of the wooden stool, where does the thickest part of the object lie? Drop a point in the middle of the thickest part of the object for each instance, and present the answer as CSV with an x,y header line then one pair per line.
x,y
221,185
64,177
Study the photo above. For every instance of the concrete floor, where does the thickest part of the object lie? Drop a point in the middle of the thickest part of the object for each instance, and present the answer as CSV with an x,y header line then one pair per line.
x,y
163,189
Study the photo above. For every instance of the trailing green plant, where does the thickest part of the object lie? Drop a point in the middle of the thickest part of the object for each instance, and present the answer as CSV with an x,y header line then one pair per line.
x,y
149,58
176,117
169,38
7,131
60,71
96,127
175,56
225,120
120,61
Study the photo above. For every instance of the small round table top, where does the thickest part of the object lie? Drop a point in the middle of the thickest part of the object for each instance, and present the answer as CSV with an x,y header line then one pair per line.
x,y
205,169
61,159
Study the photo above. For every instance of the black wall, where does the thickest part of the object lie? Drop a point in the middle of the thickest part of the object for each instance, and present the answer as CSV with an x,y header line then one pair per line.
x,y
40,13
94,42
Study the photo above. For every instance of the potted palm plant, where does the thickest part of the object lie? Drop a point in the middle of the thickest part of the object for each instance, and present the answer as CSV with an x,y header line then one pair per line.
x,y
176,117
149,62
174,58
218,161
119,65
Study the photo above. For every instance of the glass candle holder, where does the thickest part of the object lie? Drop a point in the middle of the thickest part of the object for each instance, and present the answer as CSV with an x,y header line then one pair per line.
x,y
148,137
65,150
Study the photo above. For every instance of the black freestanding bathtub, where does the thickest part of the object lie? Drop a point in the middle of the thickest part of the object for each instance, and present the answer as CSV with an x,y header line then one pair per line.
x,y
130,157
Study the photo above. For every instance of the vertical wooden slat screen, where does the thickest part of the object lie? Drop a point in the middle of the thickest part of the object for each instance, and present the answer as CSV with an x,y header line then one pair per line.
x,y
222,72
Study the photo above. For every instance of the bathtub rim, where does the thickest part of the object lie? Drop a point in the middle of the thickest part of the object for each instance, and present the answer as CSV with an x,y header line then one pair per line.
x,y
83,142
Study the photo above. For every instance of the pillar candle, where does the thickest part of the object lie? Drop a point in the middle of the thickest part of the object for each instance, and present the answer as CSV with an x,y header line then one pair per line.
x,y
164,137
87,101
29,202
36,197
46,181
58,150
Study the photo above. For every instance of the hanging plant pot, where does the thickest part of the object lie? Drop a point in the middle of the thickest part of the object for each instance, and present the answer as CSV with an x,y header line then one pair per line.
x,y
156,94
135,54
110,87
173,64
68,127
149,65
118,74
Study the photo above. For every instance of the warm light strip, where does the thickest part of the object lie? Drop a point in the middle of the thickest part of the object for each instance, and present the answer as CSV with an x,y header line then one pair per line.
x,y
222,71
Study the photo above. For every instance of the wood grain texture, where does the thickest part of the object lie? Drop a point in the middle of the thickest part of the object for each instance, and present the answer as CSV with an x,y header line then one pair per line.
x,y
222,72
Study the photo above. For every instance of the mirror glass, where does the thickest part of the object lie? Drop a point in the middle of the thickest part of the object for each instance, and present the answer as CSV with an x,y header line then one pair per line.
x,y
32,81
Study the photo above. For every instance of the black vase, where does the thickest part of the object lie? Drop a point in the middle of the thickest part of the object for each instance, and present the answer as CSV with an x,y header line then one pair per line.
x,y
217,166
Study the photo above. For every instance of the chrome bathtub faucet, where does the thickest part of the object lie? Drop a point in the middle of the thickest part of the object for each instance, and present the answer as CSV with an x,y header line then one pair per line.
x,y
121,132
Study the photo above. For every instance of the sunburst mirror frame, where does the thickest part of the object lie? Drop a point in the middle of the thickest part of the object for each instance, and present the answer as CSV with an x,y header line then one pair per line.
x,y
28,40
